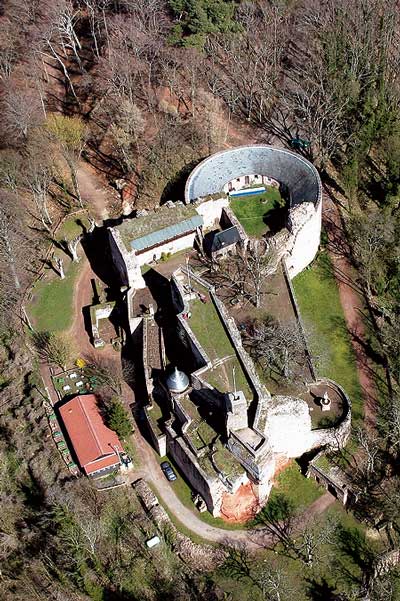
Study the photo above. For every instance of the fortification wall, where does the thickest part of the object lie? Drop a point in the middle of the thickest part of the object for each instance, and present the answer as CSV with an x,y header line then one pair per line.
x,y
121,261
211,489
211,211
305,225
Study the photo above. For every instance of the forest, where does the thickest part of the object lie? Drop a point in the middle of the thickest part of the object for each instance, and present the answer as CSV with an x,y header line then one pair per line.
x,y
132,94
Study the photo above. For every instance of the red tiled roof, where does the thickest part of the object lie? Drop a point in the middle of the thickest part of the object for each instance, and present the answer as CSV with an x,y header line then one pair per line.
x,y
93,442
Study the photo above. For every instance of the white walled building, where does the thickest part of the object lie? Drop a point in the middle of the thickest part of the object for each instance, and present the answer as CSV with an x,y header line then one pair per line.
x,y
141,240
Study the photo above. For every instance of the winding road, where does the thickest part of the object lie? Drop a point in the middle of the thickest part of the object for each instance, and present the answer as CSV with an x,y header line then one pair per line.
x,y
253,540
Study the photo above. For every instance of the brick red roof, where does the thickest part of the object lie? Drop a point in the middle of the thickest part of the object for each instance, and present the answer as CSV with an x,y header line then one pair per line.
x,y
94,444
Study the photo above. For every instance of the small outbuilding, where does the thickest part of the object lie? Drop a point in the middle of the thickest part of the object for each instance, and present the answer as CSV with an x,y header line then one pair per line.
x,y
224,241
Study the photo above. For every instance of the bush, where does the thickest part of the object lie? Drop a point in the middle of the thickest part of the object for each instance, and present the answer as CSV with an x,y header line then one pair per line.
x,y
118,420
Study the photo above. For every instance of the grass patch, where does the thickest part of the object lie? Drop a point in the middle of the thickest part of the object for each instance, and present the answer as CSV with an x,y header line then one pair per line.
x,y
52,309
301,491
318,298
254,212
71,228
210,332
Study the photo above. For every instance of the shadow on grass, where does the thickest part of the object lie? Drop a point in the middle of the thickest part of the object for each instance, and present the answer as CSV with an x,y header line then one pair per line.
x,y
320,590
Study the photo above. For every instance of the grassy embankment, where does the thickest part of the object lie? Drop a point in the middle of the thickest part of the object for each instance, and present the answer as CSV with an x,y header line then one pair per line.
x,y
52,305
318,298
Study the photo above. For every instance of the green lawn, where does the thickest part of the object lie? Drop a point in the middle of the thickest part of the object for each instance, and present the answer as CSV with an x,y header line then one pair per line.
x,y
71,228
254,211
208,329
318,298
51,308
300,490
210,332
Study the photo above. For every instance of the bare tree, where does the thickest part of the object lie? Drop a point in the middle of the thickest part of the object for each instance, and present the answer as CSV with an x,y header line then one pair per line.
x,y
73,248
244,274
38,176
276,346
59,262
21,111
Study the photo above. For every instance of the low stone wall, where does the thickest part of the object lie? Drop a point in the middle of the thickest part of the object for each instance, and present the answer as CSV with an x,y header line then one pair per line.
x,y
228,218
334,438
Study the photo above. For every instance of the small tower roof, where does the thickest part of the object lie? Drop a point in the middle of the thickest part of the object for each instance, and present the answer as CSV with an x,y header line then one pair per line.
x,y
177,381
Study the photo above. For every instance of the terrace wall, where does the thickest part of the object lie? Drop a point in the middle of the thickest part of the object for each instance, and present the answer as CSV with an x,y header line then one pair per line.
x,y
158,438
211,489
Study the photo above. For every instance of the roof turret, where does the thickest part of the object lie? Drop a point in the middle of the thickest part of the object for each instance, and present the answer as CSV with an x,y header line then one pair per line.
x,y
177,381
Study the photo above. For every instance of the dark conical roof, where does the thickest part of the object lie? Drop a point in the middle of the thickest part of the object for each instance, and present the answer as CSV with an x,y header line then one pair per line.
x,y
177,381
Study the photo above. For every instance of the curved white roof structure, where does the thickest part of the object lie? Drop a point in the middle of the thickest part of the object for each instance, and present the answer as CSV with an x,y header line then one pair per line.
x,y
290,169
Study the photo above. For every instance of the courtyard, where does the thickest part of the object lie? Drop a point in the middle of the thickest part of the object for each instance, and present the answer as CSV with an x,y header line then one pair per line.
x,y
260,213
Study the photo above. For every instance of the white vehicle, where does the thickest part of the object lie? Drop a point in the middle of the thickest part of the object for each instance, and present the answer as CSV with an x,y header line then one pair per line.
x,y
153,542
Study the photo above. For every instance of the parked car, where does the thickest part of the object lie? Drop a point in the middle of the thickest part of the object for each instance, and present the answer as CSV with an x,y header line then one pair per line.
x,y
168,471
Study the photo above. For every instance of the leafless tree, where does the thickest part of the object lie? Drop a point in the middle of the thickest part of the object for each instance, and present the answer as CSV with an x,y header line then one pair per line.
x,y
73,247
274,583
243,274
21,111
92,224
276,346
368,461
59,262
370,243
126,130
38,176
12,239
8,49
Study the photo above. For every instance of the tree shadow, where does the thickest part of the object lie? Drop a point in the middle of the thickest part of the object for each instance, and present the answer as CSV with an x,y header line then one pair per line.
x,y
320,590
352,544
175,188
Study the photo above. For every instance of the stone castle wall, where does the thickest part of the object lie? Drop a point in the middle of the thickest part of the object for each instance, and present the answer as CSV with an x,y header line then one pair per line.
x,y
211,489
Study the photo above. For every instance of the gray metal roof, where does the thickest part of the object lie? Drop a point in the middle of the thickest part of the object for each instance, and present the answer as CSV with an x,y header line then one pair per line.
x,y
167,233
177,381
225,238
288,168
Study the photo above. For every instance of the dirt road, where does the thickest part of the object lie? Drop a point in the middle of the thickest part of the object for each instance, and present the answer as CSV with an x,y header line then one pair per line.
x,y
93,192
352,302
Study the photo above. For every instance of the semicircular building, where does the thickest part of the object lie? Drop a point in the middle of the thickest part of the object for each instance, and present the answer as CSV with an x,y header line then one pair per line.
x,y
299,183
296,174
